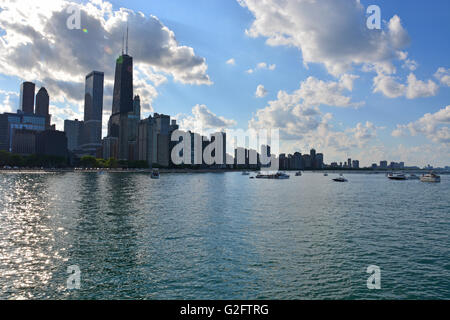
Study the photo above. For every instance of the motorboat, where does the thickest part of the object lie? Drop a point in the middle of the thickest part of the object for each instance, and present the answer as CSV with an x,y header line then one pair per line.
x,y
278,175
341,178
155,174
396,176
325,174
245,173
430,177
298,174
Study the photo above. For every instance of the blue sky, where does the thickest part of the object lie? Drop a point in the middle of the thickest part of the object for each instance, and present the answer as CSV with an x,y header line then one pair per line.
x,y
384,117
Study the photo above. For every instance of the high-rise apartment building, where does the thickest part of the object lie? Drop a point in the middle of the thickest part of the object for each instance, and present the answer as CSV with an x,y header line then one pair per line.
x,y
27,90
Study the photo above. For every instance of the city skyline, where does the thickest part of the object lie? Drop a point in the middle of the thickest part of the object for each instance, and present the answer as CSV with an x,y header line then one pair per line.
x,y
365,114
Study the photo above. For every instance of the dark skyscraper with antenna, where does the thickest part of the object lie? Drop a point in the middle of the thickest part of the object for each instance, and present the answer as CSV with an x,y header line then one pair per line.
x,y
123,85
122,102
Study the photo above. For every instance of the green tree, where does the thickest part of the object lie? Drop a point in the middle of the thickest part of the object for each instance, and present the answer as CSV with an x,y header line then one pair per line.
x,y
88,162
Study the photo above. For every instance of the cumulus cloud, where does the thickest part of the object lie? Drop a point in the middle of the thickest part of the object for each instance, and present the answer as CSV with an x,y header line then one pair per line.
x,y
435,126
329,32
390,87
261,92
303,124
36,45
203,119
231,62
9,101
262,66
443,75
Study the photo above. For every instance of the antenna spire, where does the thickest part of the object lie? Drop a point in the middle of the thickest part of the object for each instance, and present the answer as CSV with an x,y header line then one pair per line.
x,y
123,40
126,50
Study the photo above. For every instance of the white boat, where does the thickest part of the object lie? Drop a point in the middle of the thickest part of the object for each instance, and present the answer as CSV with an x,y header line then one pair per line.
x,y
340,179
155,174
396,176
430,177
245,173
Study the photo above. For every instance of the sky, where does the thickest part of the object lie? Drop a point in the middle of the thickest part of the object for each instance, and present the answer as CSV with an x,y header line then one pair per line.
x,y
310,68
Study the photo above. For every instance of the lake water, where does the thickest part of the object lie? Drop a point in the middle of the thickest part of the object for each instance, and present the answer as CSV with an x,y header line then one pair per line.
x,y
222,236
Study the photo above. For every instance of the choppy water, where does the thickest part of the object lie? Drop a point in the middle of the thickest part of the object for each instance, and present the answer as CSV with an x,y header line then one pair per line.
x,y
222,236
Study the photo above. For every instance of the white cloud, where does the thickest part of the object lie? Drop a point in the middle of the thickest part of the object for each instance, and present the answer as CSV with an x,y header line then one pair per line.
x,y
435,126
298,117
10,102
261,92
262,66
390,87
231,61
36,45
443,75
329,32
418,89
203,119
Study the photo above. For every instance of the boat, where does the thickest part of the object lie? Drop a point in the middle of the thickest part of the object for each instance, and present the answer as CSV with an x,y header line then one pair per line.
x,y
396,176
278,175
325,174
413,177
298,173
155,174
245,173
340,179
430,177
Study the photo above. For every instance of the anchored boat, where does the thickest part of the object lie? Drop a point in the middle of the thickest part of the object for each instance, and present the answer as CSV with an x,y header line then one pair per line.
x,y
396,176
155,174
430,177
340,179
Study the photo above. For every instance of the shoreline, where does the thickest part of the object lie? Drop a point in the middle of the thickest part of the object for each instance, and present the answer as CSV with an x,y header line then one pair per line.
x,y
187,171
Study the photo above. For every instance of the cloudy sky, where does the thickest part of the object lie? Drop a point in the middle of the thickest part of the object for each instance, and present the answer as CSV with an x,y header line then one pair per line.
x,y
310,68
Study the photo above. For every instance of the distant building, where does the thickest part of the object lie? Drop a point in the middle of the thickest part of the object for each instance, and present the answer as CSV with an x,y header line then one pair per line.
x,y
147,141
73,130
24,142
11,122
91,134
42,106
312,154
51,143
122,105
355,164
319,161
27,90
298,163
349,163
307,161
110,147
383,164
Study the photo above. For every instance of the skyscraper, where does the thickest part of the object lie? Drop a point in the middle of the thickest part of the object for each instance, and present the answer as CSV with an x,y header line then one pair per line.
x,y
27,97
93,110
313,158
118,125
42,105
123,85
73,130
